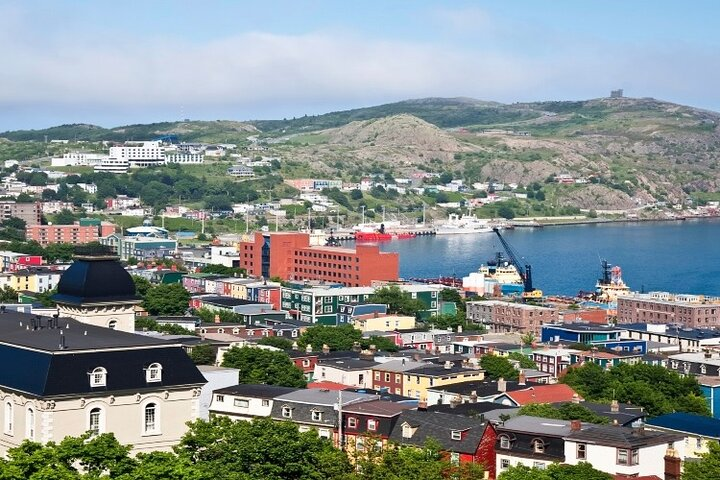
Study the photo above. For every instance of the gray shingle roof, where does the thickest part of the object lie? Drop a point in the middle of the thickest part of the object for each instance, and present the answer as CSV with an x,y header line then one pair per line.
x,y
439,426
622,437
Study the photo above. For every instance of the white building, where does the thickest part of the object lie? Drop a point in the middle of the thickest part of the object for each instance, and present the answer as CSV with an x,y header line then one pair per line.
x,y
217,378
77,158
245,402
347,371
139,154
185,158
112,165
621,450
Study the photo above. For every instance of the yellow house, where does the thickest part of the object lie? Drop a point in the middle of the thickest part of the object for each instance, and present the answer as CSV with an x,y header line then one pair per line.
x,y
418,380
36,280
380,322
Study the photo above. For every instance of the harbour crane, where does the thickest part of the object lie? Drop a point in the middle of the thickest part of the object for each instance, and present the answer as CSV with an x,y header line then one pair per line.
x,y
525,271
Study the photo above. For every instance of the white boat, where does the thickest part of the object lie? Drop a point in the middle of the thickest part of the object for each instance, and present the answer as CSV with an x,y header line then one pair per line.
x,y
457,225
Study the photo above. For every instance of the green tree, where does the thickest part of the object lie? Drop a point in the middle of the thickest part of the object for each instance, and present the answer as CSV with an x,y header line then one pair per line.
x,y
498,367
341,337
356,194
170,299
65,217
452,295
59,252
566,411
525,362
556,471
203,354
142,285
277,342
397,300
506,211
707,468
260,449
268,367
8,295
383,344
445,178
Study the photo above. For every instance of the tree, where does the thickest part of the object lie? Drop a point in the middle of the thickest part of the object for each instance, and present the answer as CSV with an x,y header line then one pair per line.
x,y
581,471
260,449
540,196
167,299
707,468
203,354
445,178
452,295
277,342
506,211
59,252
383,344
8,295
528,338
342,337
498,367
397,300
356,194
269,367
525,362
142,285
65,217
566,411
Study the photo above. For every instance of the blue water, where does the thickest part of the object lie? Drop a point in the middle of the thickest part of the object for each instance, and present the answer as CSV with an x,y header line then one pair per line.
x,y
680,257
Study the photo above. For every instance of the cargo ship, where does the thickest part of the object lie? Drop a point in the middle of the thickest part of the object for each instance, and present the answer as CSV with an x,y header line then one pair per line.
x,y
497,277
457,224
611,285
369,234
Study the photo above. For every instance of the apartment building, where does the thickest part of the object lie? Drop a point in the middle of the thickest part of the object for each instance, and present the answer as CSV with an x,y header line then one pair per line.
x,y
139,154
689,311
84,231
505,317
30,213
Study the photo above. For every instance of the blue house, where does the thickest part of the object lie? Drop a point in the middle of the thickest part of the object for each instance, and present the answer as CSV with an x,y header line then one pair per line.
x,y
699,430
602,336
710,387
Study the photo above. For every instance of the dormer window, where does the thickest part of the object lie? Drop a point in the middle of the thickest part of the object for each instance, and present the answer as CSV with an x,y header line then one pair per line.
x,y
286,412
456,435
505,442
407,431
703,369
317,416
153,373
538,446
98,377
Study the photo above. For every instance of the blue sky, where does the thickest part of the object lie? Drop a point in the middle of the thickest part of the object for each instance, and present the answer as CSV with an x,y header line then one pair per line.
x,y
114,63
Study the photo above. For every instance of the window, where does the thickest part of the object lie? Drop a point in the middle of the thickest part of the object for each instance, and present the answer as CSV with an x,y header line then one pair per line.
x,y
112,324
372,425
95,421
456,435
352,422
153,373
505,442
635,456
454,458
241,402
30,424
324,433
287,412
622,456
317,416
220,398
538,446
150,424
8,418
306,362
265,403
581,451
539,465
98,377
504,463
698,443
377,375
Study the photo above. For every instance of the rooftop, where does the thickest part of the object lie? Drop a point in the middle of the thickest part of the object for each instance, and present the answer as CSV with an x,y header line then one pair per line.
x,y
347,364
553,393
673,331
380,408
40,333
622,437
688,423
401,365
230,302
584,327
539,425
95,279
480,388
255,391
441,370
324,397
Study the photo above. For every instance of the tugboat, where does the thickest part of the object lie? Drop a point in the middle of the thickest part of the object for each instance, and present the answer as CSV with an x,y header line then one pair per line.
x,y
611,285
371,235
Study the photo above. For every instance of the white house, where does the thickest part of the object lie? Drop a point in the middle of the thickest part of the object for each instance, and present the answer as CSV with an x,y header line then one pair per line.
x,y
347,371
245,402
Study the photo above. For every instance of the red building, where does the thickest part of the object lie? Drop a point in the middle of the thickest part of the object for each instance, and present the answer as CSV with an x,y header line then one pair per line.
x,y
289,256
74,234
368,425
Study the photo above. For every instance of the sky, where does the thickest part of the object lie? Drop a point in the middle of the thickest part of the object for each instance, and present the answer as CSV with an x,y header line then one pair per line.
x,y
113,63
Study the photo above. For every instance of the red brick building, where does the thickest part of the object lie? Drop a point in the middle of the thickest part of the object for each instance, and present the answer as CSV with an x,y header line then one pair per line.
x,y
289,256
74,234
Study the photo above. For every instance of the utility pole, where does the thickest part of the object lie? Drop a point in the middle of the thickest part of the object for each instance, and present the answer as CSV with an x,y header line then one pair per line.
x,y
423,214
363,214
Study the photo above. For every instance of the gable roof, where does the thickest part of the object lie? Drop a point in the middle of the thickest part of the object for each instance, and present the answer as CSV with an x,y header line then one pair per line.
x,y
439,426
558,392
688,423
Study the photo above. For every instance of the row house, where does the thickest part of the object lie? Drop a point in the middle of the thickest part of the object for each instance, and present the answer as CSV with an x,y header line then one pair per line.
x,y
474,391
316,409
506,317
377,322
434,340
463,439
689,311
418,380
553,360
196,282
245,402
347,311
35,279
307,360
677,338
351,372
12,261
367,426
390,376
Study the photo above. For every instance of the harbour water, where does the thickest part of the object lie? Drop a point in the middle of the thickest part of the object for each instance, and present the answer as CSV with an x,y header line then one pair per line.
x,y
678,256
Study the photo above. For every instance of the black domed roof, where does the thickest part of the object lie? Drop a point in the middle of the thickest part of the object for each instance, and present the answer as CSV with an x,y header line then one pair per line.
x,y
95,279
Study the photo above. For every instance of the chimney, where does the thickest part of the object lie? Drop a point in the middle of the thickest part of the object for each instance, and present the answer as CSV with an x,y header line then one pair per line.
x,y
473,396
502,385
521,378
356,347
416,357
448,365
575,425
614,406
325,348
308,348
672,464
217,318
294,345
422,405
373,349
459,329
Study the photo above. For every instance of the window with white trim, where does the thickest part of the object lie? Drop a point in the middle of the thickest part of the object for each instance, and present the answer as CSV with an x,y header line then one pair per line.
x,y
153,373
287,412
317,416
150,419
456,435
372,425
538,446
8,418
505,442
30,424
241,402
352,422
504,463
581,451
98,377
95,421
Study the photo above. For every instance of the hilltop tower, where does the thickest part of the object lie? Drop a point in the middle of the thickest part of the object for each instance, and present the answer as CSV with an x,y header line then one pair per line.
x,y
97,290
